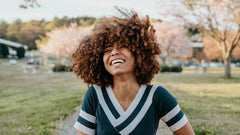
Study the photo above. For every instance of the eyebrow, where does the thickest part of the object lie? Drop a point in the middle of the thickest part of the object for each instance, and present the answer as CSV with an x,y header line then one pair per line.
x,y
107,46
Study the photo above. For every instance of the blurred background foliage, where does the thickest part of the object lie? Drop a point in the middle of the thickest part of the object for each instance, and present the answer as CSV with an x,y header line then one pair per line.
x,y
27,32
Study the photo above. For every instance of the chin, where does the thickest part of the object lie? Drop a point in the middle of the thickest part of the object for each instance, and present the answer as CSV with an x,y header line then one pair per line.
x,y
117,73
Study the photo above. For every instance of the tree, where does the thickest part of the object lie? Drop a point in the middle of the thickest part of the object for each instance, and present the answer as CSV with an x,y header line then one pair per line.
x,y
29,32
63,42
86,21
20,52
219,19
56,23
212,52
173,40
5,50
3,29
236,54
13,30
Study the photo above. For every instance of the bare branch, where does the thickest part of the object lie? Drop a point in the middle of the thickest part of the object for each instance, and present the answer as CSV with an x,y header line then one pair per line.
x,y
29,3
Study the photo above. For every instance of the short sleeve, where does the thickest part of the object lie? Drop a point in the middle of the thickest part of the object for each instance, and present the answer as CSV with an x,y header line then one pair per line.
x,y
86,121
169,110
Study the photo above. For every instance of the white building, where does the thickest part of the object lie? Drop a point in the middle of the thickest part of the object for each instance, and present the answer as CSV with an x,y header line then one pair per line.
x,y
12,45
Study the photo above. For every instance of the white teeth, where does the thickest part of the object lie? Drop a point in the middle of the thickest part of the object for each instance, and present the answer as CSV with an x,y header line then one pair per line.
x,y
117,61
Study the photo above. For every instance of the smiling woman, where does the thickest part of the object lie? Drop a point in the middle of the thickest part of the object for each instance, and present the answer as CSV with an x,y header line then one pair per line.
x,y
119,60
133,33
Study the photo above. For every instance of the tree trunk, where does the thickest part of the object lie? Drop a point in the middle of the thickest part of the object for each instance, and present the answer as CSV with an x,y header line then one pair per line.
x,y
164,60
227,62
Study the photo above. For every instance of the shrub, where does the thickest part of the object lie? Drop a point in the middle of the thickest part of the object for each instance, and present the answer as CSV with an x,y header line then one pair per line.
x,y
165,69
59,68
171,69
176,69
20,52
4,50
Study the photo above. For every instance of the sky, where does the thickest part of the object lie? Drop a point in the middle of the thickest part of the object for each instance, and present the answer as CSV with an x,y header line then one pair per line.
x,y
10,11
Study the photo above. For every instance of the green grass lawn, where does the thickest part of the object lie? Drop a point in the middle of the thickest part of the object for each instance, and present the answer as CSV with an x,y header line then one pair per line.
x,y
36,103
211,102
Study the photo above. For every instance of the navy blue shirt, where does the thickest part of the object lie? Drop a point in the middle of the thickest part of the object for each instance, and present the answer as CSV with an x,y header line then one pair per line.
x,y
101,113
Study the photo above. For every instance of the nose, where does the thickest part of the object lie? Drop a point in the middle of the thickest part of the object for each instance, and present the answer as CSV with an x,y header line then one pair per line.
x,y
114,51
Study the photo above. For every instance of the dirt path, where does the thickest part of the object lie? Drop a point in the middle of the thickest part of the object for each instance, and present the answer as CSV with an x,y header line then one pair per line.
x,y
66,127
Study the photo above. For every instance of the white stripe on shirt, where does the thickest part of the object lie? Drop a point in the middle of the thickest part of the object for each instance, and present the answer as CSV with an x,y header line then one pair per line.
x,y
87,116
179,124
171,114
84,129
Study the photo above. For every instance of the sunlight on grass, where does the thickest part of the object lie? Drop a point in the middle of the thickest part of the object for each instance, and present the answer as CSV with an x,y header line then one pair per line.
x,y
211,102
37,103
211,90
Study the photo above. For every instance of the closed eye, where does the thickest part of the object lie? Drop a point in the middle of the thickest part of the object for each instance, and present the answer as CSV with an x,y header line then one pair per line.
x,y
124,46
107,49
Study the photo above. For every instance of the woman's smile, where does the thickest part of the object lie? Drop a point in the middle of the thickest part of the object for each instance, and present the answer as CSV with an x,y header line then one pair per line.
x,y
118,60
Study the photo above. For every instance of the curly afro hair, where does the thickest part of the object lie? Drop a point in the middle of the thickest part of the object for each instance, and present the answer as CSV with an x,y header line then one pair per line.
x,y
131,31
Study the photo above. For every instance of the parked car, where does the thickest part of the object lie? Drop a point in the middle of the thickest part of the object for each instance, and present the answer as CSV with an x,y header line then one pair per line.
x,y
233,65
204,64
188,64
30,61
213,64
13,62
238,64
177,63
220,64
195,64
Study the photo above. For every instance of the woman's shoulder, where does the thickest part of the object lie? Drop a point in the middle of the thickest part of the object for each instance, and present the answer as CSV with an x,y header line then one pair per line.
x,y
90,100
94,90
91,92
159,89
162,93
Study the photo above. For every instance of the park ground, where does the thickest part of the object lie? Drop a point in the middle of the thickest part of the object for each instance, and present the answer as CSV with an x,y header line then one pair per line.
x,y
37,103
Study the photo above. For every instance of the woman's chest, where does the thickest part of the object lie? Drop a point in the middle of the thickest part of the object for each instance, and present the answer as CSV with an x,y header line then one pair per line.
x,y
136,123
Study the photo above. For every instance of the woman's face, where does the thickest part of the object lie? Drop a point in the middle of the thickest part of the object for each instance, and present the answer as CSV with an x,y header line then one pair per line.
x,y
118,60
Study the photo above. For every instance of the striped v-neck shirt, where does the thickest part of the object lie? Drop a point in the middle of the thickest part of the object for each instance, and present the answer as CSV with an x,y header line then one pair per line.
x,y
102,114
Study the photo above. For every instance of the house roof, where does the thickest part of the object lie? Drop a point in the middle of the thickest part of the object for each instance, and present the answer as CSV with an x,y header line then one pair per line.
x,y
13,44
197,45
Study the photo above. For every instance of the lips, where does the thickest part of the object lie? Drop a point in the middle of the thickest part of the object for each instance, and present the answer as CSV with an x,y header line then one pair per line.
x,y
117,61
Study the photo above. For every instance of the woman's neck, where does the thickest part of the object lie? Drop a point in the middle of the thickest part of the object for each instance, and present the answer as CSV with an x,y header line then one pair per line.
x,y
125,87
